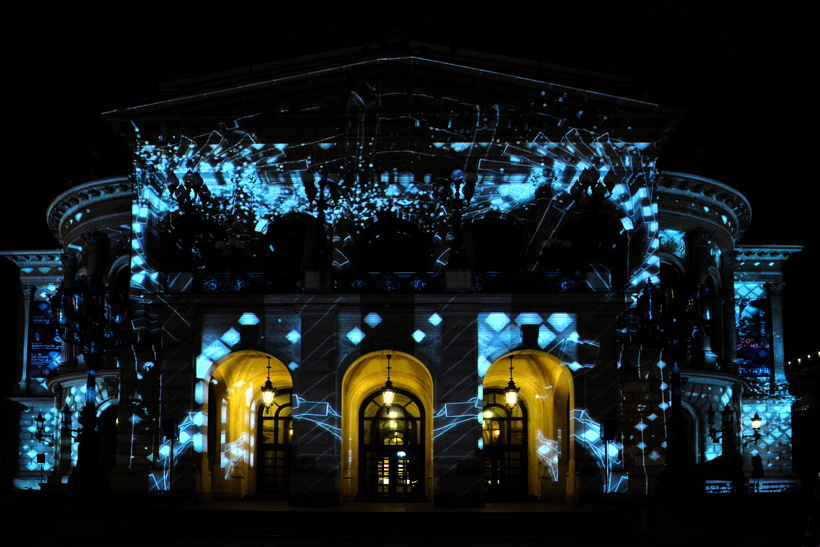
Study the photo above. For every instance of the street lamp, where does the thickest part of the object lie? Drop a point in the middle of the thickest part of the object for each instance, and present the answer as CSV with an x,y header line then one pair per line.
x,y
456,193
329,189
95,317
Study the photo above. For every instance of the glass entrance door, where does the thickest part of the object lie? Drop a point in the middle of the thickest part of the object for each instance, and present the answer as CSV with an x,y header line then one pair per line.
x,y
391,450
505,446
274,443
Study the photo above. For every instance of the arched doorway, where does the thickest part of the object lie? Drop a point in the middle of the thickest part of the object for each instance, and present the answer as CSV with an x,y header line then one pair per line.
x,y
543,425
274,441
391,446
366,423
234,454
504,451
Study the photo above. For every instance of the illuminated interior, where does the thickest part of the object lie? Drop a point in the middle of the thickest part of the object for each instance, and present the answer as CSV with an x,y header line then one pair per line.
x,y
546,390
366,377
233,405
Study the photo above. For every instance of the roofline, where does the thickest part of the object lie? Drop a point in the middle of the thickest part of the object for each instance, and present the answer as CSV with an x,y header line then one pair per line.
x,y
604,97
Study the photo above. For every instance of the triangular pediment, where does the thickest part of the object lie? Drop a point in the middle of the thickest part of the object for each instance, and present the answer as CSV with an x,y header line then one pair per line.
x,y
416,88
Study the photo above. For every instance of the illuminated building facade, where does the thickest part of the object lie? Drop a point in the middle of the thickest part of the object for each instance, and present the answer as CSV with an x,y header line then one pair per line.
x,y
464,219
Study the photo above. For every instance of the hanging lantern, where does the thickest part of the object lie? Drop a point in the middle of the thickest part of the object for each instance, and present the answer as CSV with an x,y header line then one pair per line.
x,y
511,393
387,391
268,391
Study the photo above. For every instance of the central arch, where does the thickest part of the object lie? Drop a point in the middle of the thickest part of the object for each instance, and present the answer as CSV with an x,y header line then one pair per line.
x,y
361,385
546,392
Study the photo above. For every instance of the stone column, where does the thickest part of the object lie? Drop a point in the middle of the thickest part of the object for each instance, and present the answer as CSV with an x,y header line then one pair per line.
x,y
728,348
25,316
775,291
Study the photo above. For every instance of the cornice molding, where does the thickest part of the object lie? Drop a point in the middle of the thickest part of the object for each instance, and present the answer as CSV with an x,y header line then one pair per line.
x,y
702,191
84,195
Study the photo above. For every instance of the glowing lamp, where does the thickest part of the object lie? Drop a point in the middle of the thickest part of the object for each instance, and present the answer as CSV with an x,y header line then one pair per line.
x,y
756,420
511,393
388,394
268,391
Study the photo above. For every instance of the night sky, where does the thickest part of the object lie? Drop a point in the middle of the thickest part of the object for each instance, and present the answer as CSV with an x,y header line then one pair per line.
x,y
741,75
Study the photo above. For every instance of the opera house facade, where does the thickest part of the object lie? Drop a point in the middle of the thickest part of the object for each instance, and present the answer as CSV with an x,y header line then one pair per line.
x,y
400,274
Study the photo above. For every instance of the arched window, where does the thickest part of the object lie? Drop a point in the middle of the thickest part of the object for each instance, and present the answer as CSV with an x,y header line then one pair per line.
x,y
393,245
391,451
590,242
293,243
274,442
189,243
505,446
494,245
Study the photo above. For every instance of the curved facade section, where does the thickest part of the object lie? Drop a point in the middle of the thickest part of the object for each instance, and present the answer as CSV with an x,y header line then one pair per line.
x,y
690,201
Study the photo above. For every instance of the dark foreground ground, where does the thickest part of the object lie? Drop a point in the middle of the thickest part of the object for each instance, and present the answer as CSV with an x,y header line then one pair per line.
x,y
63,518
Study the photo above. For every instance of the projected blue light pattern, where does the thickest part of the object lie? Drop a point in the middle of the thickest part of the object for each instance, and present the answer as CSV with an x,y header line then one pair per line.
x,y
453,414
250,182
606,454
170,451
499,334
549,453
775,428
221,336
320,413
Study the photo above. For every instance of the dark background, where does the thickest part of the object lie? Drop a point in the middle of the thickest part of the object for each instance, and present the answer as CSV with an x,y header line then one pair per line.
x,y
741,74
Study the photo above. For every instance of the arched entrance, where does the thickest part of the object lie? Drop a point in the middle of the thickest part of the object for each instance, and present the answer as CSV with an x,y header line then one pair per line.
x,y
274,440
391,446
505,446
538,433
387,452
238,437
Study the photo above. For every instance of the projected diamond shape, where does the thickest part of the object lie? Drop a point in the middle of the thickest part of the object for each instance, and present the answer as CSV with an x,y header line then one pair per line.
x,y
640,426
560,321
528,319
355,336
641,445
435,319
373,319
497,321
248,319
418,336
293,336
545,336
231,337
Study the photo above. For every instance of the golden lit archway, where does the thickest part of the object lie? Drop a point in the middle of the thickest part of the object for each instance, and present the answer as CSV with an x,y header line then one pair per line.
x,y
234,398
366,376
546,389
